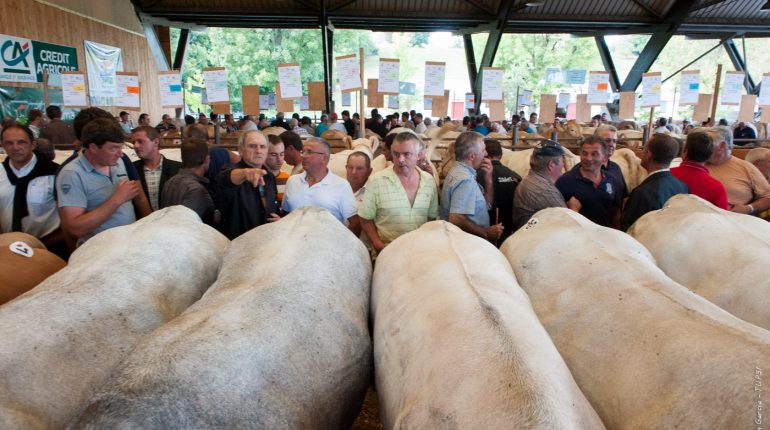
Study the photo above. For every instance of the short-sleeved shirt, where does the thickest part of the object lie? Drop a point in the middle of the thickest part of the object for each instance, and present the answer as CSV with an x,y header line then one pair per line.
x,y
42,218
703,185
332,193
79,184
598,204
387,204
536,192
461,194
743,182
614,168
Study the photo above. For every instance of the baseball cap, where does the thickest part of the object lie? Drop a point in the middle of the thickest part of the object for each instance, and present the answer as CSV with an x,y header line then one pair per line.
x,y
548,148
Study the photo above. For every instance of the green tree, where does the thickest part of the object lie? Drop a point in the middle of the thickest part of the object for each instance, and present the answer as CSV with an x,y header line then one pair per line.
x,y
419,39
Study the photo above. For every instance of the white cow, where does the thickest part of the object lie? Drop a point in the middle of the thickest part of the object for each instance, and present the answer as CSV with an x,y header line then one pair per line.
x,y
630,166
337,161
723,256
280,341
457,344
60,341
647,353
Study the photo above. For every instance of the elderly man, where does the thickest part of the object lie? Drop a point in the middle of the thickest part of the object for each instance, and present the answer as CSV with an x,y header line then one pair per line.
x,y
760,158
358,168
402,197
247,192
504,183
26,186
659,186
292,152
537,191
93,190
463,201
274,162
599,193
153,168
748,192
693,172
318,186
189,187
610,135
57,132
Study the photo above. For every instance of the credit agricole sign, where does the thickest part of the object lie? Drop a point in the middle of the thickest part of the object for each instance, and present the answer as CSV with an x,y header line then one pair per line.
x,y
25,60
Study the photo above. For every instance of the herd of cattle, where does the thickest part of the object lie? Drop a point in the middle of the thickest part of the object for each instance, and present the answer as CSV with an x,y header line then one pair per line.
x,y
166,324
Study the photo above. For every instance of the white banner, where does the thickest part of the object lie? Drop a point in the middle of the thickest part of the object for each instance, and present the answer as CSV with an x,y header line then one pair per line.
x,y
349,71
388,80
216,85
491,84
435,74
170,89
651,83
128,90
764,91
74,90
731,92
289,78
102,62
598,88
689,87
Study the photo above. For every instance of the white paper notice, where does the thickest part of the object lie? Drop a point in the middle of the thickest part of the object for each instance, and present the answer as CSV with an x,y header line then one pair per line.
x,y
73,86
291,84
427,103
392,102
388,80
651,83
435,74
598,88
170,89
304,103
564,99
764,91
128,91
264,101
525,98
689,88
216,85
731,93
491,84
470,101
349,71
345,99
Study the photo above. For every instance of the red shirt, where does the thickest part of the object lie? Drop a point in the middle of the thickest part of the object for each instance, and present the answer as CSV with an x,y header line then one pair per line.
x,y
701,183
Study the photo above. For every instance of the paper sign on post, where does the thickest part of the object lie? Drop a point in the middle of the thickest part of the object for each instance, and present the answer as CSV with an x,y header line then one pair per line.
x,y
525,98
216,85
689,87
651,83
731,92
746,113
564,99
427,103
388,80
170,89
345,99
264,101
349,71
575,76
393,102
289,78
470,101
627,105
547,108
491,84
598,88
74,89
764,91
701,112
127,96
435,74
554,75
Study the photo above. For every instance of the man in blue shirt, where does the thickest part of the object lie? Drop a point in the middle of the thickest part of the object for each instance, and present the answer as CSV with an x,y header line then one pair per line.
x,y
464,202
599,192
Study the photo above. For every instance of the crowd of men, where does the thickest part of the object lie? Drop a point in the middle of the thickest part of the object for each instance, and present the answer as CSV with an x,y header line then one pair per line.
x,y
98,187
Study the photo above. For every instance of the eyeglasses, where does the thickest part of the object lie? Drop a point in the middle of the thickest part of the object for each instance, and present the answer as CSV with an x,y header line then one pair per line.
x,y
309,153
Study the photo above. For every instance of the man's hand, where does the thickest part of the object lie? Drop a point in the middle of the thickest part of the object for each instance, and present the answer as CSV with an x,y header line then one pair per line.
x,y
741,209
574,204
273,217
255,176
126,191
486,169
494,232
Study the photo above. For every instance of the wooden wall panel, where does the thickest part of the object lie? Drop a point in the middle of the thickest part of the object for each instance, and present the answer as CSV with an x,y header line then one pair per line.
x,y
37,21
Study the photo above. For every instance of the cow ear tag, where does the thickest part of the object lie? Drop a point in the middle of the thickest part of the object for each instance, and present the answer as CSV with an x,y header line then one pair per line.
x,y
22,249
531,223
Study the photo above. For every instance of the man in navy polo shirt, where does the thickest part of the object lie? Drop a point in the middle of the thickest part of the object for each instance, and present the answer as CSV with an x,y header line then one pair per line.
x,y
599,192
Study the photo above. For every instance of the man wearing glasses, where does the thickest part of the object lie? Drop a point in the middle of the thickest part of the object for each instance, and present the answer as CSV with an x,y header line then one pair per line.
x,y
318,186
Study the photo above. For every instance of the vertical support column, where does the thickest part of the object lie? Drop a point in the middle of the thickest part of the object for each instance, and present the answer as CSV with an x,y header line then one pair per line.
x,y
490,50
470,60
327,39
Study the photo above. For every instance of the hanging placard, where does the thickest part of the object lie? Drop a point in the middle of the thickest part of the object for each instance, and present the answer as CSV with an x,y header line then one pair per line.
x,y
289,78
388,80
128,91
564,99
554,75
264,101
170,89
732,89
491,84
345,99
427,103
574,76
689,87
598,88
73,87
215,80
393,102
435,74
470,101
349,71
525,98
764,91
746,113
651,83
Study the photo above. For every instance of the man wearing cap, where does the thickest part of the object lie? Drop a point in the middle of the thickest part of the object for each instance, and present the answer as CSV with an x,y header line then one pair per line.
x,y
336,125
537,191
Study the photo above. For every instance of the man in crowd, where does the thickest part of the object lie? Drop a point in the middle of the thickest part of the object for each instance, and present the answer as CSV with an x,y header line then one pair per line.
x,y
153,168
125,123
144,119
350,126
537,191
26,186
464,202
322,126
402,197
35,118
318,186
280,122
335,124
419,125
93,190
189,187
525,126
248,124
610,135
693,172
377,126
748,192
599,193
760,158
533,118
249,196
292,151
57,132
504,182
663,126
274,162
358,168
743,131
659,186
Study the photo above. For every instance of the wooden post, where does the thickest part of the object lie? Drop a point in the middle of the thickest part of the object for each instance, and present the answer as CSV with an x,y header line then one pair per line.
x,y
716,96
649,124
362,125
46,96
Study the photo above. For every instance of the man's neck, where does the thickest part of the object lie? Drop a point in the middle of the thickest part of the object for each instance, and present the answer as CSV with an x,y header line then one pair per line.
x,y
23,164
591,175
317,176
100,167
153,161
275,172
200,170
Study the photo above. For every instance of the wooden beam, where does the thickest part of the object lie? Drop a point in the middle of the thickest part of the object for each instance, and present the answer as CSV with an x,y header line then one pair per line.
x,y
649,10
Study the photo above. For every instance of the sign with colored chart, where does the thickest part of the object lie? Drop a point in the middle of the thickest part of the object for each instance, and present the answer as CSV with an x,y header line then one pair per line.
x,y
128,94
74,89
651,83
388,81
598,88
491,84
170,89
215,80
470,101
731,92
435,74
291,83
689,87
349,71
